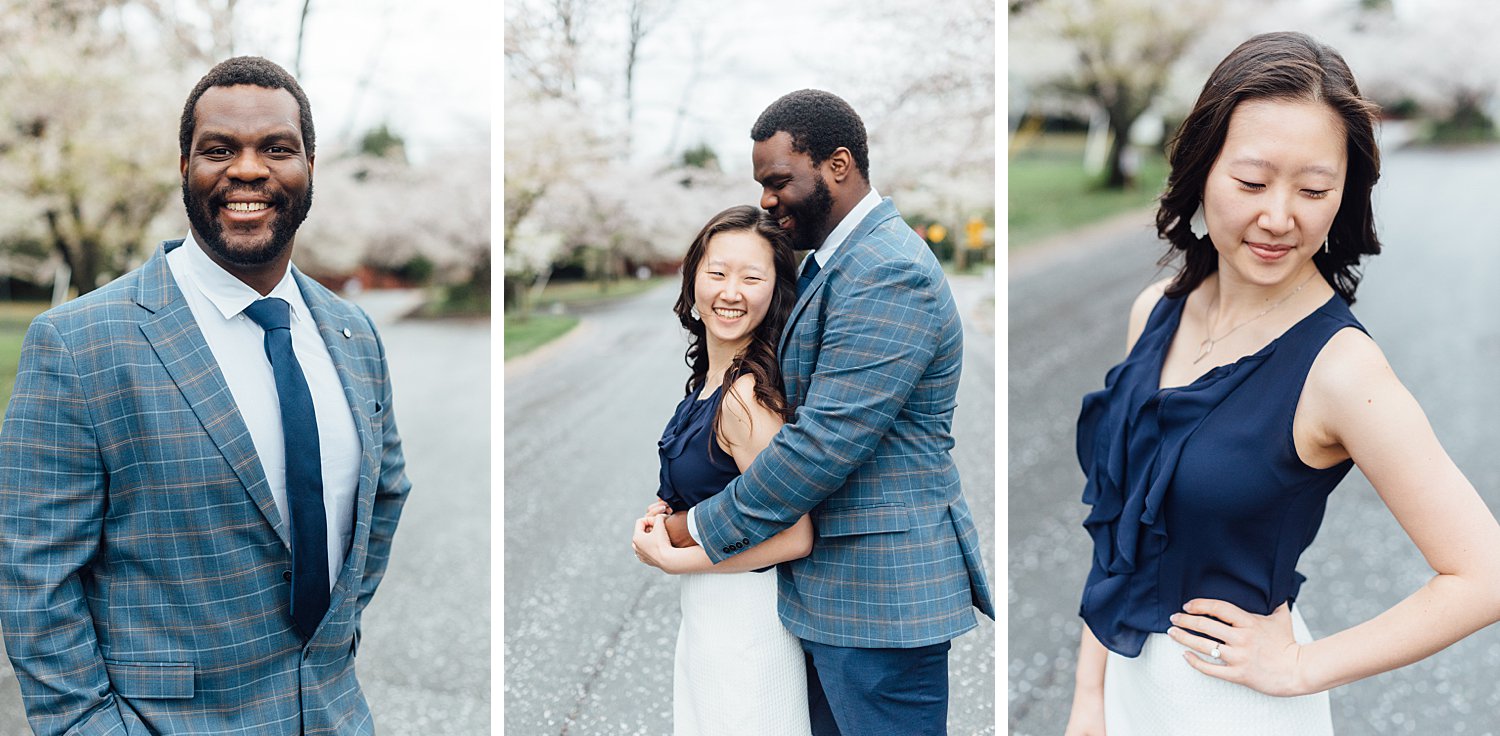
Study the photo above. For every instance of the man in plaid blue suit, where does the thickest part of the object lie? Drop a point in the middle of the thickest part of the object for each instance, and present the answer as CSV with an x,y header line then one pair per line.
x,y
148,499
870,357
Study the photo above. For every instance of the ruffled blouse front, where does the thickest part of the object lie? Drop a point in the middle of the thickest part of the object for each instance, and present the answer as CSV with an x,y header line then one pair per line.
x,y
1131,442
693,466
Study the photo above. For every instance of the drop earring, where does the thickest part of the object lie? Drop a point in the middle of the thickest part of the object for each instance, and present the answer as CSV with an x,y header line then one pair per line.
x,y
694,312
1325,246
1198,224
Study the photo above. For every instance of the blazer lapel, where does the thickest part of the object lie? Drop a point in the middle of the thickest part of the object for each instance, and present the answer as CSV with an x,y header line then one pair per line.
x,y
334,320
179,344
882,212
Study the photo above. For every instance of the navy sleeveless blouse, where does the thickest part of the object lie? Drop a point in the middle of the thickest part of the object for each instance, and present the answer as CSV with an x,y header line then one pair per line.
x,y
1197,491
693,466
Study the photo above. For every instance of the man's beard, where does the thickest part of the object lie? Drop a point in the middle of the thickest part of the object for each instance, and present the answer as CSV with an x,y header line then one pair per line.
x,y
203,214
811,217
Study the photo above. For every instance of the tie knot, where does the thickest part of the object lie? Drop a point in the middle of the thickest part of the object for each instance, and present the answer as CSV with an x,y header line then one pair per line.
x,y
271,313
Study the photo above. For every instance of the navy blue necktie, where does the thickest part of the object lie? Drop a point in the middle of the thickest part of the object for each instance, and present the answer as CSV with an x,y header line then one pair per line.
x,y
304,467
809,270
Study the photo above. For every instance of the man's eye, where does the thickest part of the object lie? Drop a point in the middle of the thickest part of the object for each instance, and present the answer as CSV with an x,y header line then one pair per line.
x,y
218,151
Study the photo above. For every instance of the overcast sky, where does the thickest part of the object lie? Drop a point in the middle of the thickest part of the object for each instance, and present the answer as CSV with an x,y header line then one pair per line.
x,y
752,54
426,64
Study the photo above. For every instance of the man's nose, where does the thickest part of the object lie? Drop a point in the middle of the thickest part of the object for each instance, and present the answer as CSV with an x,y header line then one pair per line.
x,y
248,166
768,200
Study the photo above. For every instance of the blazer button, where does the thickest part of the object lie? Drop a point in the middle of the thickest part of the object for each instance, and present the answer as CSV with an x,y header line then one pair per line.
x,y
726,550
286,575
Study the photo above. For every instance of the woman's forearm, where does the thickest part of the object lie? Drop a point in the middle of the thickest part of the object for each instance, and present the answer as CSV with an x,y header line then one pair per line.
x,y
1446,609
1088,680
791,543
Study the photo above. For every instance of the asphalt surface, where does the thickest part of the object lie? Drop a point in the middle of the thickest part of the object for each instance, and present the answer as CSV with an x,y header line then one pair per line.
x,y
1432,302
424,658
589,631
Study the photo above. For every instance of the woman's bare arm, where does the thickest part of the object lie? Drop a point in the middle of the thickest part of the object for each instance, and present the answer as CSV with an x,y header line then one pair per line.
x,y
1354,406
745,429
1087,715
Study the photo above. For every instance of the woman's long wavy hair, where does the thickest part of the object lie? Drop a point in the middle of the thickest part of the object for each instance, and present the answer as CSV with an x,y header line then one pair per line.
x,y
1274,66
759,357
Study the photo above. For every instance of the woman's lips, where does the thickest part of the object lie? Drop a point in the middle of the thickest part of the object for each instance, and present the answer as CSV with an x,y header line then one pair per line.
x,y
1269,252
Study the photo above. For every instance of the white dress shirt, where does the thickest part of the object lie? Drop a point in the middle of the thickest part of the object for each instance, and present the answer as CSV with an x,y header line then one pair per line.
x,y
836,237
217,300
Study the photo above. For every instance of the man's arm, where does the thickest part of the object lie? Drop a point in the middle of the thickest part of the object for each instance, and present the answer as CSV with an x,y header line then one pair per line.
x,y
877,341
391,488
52,504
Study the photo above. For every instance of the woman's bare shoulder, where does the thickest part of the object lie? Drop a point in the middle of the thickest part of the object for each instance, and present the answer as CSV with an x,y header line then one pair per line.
x,y
1140,311
742,404
1349,367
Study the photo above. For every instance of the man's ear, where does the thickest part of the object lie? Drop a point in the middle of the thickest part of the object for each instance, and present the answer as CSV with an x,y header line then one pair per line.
x,y
840,163
182,165
310,161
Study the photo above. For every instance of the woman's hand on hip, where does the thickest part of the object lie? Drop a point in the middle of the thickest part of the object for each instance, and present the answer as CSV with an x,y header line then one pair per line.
x,y
1258,652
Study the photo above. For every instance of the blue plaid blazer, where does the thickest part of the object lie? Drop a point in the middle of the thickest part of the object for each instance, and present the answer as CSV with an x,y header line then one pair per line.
x,y
143,566
870,358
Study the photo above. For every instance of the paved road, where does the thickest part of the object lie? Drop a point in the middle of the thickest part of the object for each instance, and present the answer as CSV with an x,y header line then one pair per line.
x,y
589,631
1431,301
424,659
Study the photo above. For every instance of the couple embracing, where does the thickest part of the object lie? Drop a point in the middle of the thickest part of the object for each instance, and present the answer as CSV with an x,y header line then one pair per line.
x,y
807,496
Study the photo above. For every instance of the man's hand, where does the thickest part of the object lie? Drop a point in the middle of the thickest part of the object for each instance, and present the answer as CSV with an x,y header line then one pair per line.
x,y
677,530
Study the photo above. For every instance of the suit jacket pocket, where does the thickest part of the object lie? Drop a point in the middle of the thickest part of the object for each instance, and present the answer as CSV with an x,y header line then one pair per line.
x,y
151,680
880,518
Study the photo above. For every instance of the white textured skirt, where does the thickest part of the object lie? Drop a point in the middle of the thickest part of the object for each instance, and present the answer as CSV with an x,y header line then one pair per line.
x,y
1158,694
738,670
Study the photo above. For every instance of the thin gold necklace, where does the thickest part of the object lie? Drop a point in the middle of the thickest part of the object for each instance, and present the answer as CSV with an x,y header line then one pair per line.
x,y
1208,343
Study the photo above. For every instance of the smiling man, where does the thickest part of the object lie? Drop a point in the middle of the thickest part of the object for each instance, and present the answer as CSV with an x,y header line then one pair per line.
x,y
200,474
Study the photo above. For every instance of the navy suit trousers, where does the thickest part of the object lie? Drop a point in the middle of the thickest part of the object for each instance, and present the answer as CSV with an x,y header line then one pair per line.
x,y
854,691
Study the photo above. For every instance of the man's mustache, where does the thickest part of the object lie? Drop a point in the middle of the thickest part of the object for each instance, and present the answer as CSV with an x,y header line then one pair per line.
x,y
275,198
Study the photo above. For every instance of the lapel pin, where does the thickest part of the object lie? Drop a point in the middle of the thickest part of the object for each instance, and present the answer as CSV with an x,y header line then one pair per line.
x,y
346,332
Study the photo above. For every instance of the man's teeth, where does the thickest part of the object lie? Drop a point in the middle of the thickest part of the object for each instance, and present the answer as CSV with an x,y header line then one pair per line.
x,y
730,313
246,206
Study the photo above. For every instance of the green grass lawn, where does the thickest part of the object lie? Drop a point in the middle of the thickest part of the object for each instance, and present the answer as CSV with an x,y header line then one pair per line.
x,y
582,293
544,325
14,318
524,336
1049,193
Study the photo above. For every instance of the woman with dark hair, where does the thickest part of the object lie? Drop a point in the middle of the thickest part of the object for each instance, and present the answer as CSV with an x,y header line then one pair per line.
x,y
1248,391
738,670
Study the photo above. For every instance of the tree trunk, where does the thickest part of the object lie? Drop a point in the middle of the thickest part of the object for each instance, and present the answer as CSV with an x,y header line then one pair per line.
x,y
1116,177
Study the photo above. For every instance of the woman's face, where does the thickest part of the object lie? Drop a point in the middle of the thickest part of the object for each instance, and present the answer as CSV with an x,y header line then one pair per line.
x,y
734,285
1271,195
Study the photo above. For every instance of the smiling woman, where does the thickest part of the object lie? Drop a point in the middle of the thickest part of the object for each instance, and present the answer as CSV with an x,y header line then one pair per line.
x,y
737,292
1249,390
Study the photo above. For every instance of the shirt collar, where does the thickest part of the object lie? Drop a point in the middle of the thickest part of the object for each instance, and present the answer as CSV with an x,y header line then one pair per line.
x,y
846,226
227,293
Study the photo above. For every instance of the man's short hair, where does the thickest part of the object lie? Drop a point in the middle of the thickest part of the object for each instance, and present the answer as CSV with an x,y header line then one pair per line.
x,y
819,123
248,70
